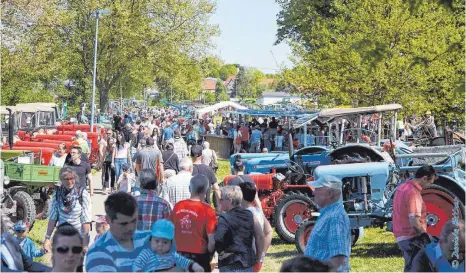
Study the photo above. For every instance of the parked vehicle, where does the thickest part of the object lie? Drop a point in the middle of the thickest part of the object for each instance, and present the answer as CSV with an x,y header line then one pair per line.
x,y
368,190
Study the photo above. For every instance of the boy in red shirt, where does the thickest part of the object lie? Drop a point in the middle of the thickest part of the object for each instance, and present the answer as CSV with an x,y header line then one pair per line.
x,y
195,224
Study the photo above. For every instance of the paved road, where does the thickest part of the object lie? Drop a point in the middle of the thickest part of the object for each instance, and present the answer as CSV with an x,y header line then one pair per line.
x,y
97,200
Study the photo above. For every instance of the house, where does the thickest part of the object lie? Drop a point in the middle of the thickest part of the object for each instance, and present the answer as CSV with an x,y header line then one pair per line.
x,y
270,97
208,84
230,85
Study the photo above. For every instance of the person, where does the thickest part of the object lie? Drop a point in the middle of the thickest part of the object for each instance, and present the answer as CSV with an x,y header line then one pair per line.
x,y
171,162
236,231
81,168
159,257
195,223
429,123
150,158
199,168
256,136
58,159
27,245
67,249
386,151
176,188
82,142
108,172
119,247
13,257
265,151
410,214
330,240
121,154
151,207
167,134
126,179
249,192
209,157
101,226
116,122
180,148
237,139
267,136
304,264
71,204
439,257
279,139
244,137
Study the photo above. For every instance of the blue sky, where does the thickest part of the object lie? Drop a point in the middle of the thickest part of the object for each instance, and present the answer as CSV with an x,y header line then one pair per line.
x,y
248,32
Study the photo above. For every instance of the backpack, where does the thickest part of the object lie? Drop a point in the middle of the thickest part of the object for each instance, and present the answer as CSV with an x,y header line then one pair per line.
x,y
213,163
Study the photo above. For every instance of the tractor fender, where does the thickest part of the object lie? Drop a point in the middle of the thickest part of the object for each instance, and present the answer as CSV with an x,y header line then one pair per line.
x,y
300,188
14,189
453,185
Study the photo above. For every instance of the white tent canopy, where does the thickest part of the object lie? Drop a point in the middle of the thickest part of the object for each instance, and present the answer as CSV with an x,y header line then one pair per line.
x,y
212,108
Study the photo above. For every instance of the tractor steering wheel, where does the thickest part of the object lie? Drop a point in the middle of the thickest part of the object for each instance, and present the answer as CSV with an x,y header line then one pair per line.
x,y
293,167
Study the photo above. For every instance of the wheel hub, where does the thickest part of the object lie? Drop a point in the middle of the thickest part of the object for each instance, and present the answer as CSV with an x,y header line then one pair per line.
x,y
432,219
298,219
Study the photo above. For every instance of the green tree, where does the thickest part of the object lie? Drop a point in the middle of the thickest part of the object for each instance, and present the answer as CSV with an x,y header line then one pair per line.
x,y
227,71
248,83
378,52
209,97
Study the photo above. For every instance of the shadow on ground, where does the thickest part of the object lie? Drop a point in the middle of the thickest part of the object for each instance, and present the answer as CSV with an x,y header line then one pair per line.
x,y
372,250
283,254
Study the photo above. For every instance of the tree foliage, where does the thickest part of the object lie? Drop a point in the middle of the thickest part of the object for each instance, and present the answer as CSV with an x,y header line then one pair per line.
x,y
378,52
142,43
226,71
248,83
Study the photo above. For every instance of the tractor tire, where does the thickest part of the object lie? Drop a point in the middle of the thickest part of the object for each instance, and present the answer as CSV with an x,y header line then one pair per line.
x,y
43,209
292,209
304,232
25,208
440,203
7,224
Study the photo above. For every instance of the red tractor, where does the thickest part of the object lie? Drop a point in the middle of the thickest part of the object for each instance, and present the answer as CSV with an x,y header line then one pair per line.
x,y
285,205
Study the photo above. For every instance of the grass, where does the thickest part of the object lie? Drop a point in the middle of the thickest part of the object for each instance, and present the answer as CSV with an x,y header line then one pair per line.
x,y
376,252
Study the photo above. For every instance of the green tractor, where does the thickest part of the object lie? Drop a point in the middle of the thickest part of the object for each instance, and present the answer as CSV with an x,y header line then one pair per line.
x,y
26,186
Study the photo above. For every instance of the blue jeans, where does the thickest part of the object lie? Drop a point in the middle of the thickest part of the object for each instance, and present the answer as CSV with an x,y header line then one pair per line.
x,y
118,166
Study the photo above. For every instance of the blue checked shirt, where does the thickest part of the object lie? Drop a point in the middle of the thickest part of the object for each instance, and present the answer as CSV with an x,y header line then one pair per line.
x,y
149,261
331,236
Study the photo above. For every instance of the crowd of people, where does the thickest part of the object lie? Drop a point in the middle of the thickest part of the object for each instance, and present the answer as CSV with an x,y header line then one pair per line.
x,y
165,210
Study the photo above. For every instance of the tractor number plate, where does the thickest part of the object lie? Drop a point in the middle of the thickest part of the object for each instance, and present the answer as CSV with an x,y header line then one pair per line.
x,y
36,195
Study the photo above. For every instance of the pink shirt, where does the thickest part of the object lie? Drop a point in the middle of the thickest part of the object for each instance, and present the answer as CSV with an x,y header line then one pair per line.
x,y
408,202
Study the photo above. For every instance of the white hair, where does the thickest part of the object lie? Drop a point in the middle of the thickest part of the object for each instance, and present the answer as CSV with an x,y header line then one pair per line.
x,y
186,163
206,145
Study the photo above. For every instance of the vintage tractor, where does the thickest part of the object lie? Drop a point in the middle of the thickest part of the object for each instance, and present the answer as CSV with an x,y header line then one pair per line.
x,y
369,187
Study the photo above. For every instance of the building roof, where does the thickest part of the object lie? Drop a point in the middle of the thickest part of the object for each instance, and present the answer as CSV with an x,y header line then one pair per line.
x,y
229,79
277,94
209,83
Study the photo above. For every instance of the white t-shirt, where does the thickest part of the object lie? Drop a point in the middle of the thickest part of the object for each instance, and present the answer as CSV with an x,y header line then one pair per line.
x,y
122,152
57,161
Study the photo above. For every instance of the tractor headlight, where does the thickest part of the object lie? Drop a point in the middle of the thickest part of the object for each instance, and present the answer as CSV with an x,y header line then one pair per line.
x,y
6,180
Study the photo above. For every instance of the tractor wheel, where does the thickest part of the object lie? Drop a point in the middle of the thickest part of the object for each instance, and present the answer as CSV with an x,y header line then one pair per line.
x,y
289,212
25,208
43,209
302,234
8,225
440,203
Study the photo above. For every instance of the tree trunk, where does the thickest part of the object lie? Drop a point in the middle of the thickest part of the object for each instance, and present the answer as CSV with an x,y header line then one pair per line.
x,y
103,95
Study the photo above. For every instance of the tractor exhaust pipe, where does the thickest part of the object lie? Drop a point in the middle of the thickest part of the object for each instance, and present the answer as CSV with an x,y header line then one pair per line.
x,y
10,128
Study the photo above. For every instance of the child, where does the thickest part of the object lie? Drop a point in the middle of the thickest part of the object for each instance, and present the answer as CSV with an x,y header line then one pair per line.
x,y
101,226
162,257
126,179
27,245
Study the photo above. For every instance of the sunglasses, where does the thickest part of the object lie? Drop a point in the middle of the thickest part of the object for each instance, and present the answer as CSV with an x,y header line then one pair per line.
x,y
74,249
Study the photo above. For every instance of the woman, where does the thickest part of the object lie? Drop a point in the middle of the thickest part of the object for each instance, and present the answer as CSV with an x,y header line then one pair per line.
x,y
235,232
237,139
59,158
67,249
155,136
121,154
108,172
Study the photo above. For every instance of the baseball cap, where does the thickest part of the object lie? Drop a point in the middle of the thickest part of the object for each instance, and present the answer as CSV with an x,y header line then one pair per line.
x,y
196,150
100,218
21,225
328,181
163,228
126,166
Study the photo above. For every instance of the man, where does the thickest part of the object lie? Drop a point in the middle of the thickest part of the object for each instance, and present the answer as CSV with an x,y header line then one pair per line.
x,y
429,123
249,191
330,240
244,137
176,188
149,158
118,248
116,122
171,162
195,224
151,207
82,142
439,257
265,151
179,146
200,168
410,213
208,155
256,136
81,168
167,134
71,204
127,131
